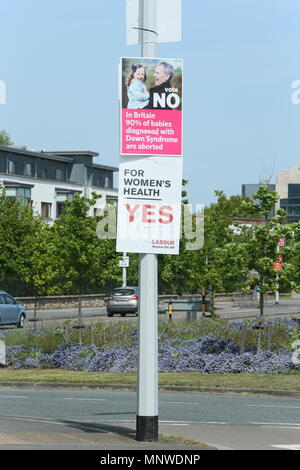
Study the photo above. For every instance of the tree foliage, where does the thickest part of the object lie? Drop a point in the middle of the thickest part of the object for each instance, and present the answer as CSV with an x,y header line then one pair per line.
x,y
5,138
68,257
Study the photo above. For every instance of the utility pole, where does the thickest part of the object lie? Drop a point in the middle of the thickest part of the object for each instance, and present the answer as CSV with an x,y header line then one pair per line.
x,y
124,272
277,280
147,400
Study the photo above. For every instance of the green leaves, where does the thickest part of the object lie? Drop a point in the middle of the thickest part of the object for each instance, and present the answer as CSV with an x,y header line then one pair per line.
x,y
68,257
5,138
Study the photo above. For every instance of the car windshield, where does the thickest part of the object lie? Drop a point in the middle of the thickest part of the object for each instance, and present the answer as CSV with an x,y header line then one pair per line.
x,y
121,292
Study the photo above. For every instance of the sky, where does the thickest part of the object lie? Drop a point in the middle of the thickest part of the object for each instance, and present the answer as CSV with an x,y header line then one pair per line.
x,y
59,63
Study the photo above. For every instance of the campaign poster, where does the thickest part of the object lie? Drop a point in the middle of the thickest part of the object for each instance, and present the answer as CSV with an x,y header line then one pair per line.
x,y
151,106
149,205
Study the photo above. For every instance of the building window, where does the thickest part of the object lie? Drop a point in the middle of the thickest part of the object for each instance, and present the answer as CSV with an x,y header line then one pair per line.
x,y
28,169
11,192
98,180
11,166
113,201
61,198
97,212
19,192
46,210
102,178
60,174
45,173
293,190
23,194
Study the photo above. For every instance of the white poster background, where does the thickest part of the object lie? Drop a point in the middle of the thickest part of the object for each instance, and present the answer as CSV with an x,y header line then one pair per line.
x,y
168,21
149,205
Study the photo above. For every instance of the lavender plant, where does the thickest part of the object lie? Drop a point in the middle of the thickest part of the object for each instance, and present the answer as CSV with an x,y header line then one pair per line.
x,y
204,347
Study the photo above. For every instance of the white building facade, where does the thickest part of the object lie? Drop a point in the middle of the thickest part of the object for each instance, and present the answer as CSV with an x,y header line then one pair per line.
x,y
47,179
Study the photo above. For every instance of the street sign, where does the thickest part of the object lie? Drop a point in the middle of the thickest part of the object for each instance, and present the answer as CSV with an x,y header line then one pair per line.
x,y
151,106
278,264
124,262
167,25
149,205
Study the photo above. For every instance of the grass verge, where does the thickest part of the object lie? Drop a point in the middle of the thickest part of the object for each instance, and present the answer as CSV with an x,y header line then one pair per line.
x,y
167,438
187,379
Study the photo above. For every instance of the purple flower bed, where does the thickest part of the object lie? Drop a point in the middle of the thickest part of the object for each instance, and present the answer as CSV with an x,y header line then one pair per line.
x,y
208,355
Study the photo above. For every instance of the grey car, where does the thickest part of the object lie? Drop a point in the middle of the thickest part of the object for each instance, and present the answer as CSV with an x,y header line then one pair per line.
x,y
11,311
123,300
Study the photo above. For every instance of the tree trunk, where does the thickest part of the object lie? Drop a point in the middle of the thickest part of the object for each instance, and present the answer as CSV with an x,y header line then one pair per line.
x,y
35,311
261,303
212,303
80,318
260,322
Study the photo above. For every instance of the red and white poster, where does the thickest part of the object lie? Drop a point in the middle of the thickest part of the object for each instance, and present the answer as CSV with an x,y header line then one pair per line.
x,y
151,106
149,205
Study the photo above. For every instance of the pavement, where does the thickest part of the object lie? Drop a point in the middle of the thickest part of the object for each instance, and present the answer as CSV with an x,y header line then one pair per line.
x,y
28,433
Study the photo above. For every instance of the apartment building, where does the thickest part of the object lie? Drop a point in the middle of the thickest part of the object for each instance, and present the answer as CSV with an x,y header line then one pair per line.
x,y
47,179
288,189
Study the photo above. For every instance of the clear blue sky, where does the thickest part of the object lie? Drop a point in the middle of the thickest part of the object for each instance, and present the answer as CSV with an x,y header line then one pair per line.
x,y
59,63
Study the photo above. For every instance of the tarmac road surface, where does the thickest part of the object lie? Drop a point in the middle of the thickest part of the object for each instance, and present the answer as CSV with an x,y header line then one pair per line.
x,y
78,419
228,310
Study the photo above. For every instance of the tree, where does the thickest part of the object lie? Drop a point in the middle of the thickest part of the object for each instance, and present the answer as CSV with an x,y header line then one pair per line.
x,y
22,237
38,270
79,255
261,249
5,138
218,263
261,241
174,271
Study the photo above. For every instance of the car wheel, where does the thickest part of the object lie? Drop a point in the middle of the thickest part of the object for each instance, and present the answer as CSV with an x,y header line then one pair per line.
x,y
21,321
110,314
123,314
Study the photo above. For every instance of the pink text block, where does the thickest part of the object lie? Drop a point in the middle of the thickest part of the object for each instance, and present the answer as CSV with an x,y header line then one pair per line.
x,y
151,132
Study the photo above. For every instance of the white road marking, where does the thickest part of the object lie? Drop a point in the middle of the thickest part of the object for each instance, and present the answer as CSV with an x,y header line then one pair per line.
x,y
180,403
273,406
174,424
276,424
12,396
86,399
193,422
170,423
288,447
281,427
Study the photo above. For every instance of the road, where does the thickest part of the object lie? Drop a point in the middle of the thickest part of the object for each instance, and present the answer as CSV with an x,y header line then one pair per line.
x,y
229,310
85,418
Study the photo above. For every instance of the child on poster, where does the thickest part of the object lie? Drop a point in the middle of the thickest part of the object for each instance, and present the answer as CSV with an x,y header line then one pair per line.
x,y
137,93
